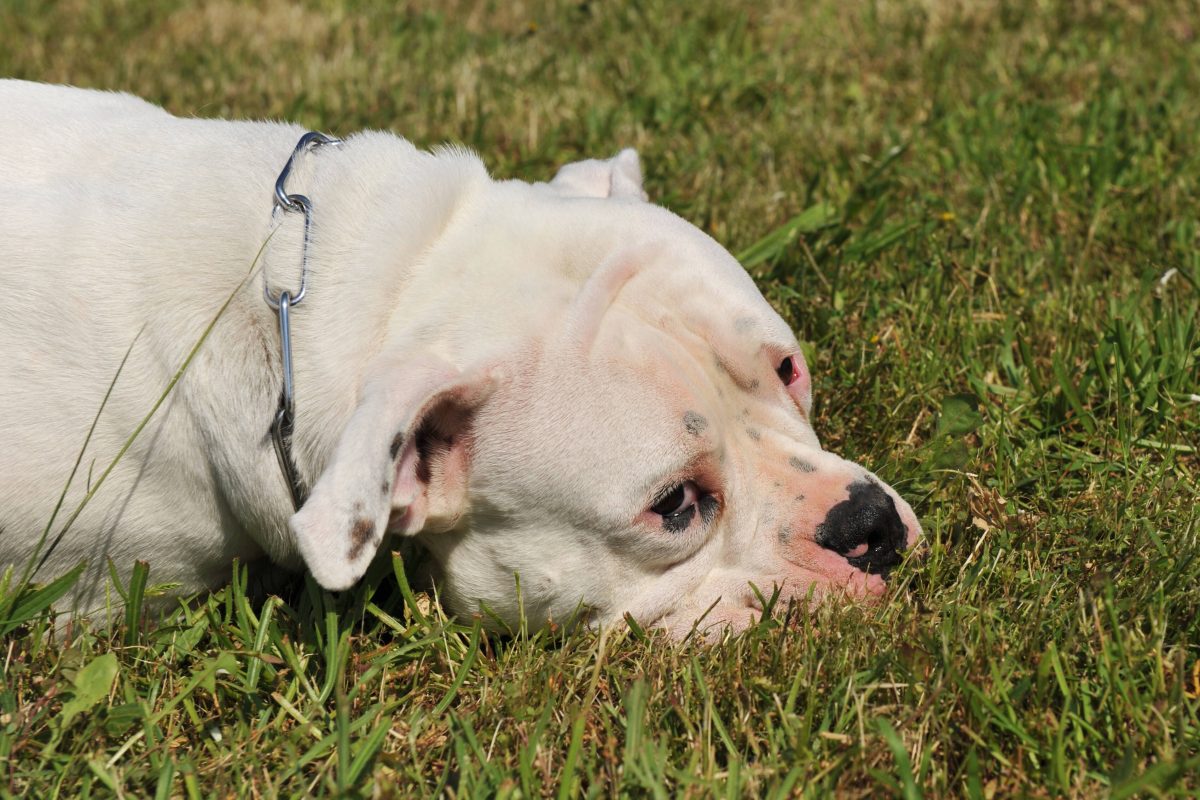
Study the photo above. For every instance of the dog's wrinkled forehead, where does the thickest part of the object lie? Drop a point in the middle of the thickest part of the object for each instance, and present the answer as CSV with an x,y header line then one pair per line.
x,y
664,340
693,318
673,350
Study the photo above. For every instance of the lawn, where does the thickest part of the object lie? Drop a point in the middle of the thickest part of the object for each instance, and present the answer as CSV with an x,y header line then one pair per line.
x,y
981,219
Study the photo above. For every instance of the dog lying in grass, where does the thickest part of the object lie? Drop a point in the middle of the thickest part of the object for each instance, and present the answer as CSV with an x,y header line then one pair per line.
x,y
558,382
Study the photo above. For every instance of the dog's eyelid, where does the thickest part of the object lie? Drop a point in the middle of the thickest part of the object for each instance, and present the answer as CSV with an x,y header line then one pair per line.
x,y
674,500
666,493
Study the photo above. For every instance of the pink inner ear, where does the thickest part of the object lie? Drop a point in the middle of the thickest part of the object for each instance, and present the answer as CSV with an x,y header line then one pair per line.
x,y
407,493
429,489
406,487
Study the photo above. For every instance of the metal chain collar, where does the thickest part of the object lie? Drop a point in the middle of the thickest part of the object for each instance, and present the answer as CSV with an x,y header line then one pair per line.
x,y
282,304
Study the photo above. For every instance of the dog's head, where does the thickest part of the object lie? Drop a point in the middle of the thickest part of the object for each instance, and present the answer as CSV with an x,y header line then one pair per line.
x,y
632,434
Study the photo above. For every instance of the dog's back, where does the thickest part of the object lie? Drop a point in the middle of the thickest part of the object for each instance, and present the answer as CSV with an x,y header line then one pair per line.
x,y
52,131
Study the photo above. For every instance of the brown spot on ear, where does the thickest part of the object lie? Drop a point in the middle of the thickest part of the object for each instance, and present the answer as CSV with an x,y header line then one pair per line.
x,y
801,464
785,533
362,534
397,443
694,423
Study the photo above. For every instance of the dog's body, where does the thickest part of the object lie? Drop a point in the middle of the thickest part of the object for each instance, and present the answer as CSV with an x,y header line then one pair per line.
x,y
517,374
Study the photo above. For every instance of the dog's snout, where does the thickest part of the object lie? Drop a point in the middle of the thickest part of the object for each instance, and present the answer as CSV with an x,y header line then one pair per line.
x,y
865,528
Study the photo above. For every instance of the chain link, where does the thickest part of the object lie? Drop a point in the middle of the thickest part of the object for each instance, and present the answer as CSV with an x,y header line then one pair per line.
x,y
290,203
283,303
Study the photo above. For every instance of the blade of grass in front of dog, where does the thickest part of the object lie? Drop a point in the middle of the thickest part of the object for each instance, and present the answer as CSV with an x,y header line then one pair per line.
x,y
179,373
86,441
29,568
710,708
335,650
567,787
463,669
134,598
528,754
911,789
342,728
637,631
166,776
367,752
27,606
266,622
327,743
406,591
642,770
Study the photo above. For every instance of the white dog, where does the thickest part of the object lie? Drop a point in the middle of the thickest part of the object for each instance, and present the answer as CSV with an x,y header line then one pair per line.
x,y
558,382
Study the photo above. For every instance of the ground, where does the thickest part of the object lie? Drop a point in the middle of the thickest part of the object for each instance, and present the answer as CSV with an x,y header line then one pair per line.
x,y
982,221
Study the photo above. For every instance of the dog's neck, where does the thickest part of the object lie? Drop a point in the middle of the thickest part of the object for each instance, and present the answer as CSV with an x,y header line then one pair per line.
x,y
379,207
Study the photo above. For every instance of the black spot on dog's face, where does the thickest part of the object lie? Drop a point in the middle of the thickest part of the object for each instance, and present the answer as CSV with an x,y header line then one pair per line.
x,y
753,434
801,464
694,423
361,534
397,443
785,534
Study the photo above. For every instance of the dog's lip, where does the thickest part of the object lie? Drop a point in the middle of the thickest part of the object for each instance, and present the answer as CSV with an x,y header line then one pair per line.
x,y
859,586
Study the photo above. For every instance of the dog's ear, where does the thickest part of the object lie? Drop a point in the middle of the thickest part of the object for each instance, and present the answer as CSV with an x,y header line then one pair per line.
x,y
619,176
400,466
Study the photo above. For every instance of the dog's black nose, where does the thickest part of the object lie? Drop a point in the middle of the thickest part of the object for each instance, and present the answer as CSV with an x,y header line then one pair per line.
x,y
865,528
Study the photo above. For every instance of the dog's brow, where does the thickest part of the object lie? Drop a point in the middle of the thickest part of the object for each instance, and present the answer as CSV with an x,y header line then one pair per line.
x,y
741,364
691,462
780,346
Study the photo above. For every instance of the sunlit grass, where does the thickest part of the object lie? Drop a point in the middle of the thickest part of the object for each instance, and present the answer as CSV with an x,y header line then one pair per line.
x,y
967,213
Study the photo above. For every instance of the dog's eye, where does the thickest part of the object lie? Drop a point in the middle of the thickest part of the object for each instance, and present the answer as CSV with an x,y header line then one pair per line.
x,y
677,500
679,505
787,371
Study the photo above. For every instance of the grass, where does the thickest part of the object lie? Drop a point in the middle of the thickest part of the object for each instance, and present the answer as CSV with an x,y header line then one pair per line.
x,y
967,211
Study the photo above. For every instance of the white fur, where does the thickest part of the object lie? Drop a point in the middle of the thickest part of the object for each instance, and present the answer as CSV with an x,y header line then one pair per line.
x,y
440,302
